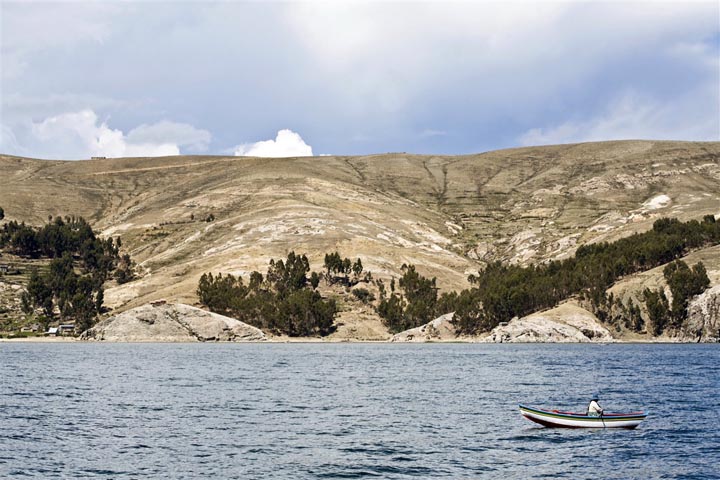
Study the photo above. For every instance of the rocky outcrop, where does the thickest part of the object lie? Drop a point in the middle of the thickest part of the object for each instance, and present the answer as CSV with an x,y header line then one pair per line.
x,y
440,329
566,323
10,300
172,323
703,322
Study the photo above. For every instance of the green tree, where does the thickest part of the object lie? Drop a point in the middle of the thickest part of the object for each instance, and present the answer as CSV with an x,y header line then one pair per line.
x,y
684,283
416,305
26,304
99,300
290,275
391,310
381,288
81,262
357,268
83,311
284,302
502,292
256,281
40,293
335,265
658,310
25,241
314,280
124,271
332,264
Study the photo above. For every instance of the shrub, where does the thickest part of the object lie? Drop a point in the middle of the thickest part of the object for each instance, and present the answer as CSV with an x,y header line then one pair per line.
x,y
364,295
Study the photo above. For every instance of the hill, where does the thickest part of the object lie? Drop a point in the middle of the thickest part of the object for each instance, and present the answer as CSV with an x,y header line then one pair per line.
x,y
182,216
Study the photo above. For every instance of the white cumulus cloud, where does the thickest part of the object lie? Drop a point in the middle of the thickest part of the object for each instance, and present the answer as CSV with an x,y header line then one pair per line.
x,y
82,135
286,144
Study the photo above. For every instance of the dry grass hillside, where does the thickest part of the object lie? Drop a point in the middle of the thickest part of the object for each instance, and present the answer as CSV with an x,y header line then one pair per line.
x,y
445,214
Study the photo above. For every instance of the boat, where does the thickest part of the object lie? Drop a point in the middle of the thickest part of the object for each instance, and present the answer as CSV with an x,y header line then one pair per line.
x,y
557,418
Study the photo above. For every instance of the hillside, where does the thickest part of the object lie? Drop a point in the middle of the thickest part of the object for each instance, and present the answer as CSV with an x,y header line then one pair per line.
x,y
445,214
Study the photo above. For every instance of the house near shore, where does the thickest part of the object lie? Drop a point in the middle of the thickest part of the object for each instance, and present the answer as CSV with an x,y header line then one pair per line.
x,y
62,329
66,329
4,268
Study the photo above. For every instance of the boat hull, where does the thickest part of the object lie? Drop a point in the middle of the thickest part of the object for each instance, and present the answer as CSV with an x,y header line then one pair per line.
x,y
557,419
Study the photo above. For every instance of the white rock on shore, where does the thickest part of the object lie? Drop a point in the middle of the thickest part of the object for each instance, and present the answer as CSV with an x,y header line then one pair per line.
x,y
566,323
438,330
172,323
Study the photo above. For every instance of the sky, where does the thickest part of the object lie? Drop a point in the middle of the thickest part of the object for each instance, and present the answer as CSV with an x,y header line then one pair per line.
x,y
151,78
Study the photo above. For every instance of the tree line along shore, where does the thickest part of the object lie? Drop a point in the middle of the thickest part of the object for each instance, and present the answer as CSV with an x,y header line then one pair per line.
x,y
288,299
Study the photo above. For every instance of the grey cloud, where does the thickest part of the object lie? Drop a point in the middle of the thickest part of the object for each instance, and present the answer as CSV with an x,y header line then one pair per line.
x,y
180,134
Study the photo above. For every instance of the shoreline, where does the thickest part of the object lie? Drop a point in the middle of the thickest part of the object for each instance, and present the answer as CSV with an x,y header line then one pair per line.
x,y
310,340
40,340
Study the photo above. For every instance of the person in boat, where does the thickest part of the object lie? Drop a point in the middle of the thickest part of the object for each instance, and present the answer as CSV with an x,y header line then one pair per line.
x,y
594,409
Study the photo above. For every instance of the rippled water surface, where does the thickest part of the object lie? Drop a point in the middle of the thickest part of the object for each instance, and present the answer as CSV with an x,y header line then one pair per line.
x,y
352,410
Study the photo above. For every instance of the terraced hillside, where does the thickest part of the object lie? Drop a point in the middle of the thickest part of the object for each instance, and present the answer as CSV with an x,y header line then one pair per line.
x,y
445,214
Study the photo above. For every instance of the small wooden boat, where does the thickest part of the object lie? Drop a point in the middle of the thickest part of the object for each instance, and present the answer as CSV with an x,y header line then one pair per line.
x,y
557,418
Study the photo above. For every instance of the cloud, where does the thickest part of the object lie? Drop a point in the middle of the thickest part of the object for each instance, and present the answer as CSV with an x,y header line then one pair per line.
x,y
32,28
181,134
18,108
511,51
635,116
286,144
8,140
81,135
484,72
429,132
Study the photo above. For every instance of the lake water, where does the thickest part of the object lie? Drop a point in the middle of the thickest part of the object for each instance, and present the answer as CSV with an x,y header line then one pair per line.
x,y
352,411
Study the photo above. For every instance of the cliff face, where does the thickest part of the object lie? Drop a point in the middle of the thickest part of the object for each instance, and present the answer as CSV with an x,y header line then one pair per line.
x,y
172,323
703,322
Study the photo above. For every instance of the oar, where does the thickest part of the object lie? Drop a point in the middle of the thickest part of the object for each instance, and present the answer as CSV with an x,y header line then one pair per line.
x,y
601,419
